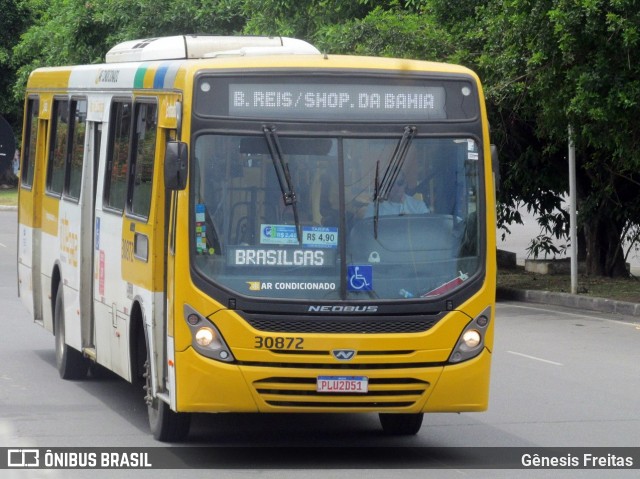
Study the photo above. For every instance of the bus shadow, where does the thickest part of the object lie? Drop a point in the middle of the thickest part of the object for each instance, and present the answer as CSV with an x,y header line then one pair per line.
x,y
285,430
114,392
280,441
229,429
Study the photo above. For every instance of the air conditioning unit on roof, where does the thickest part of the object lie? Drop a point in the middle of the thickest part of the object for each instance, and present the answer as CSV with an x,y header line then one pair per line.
x,y
183,47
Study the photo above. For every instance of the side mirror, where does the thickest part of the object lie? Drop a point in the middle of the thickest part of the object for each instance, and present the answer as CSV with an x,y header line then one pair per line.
x,y
496,167
176,160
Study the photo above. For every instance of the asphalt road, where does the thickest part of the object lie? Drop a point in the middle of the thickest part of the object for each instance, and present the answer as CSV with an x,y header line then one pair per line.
x,y
560,378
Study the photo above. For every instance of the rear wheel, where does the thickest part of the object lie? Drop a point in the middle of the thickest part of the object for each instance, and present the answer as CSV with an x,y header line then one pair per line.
x,y
70,362
166,425
401,424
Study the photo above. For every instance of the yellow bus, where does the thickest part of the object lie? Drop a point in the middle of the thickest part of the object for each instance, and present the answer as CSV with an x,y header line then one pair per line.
x,y
245,224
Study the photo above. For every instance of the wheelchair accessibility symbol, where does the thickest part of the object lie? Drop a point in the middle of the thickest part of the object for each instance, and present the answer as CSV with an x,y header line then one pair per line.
x,y
360,278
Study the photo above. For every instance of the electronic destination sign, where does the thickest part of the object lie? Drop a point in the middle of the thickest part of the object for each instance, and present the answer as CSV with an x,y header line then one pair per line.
x,y
350,102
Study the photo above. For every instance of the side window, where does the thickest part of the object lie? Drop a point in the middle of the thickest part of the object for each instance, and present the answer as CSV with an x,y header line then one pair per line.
x,y
144,141
78,115
31,142
58,146
119,133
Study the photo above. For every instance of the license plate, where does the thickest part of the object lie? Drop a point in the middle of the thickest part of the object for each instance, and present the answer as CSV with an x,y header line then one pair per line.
x,y
342,384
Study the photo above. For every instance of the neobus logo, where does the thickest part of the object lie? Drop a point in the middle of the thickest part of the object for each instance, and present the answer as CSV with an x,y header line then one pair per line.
x,y
342,309
344,354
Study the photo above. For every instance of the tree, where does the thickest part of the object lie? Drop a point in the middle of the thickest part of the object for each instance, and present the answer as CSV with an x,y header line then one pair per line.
x,y
37,33
12,23
301,18
598,43
547,64
67,32
396,33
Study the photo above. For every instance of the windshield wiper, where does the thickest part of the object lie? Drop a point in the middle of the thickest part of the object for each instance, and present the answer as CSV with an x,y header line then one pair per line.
x,y
383,188
376,201
282,173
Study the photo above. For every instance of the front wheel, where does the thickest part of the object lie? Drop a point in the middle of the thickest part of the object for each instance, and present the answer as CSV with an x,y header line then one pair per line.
x,y
401,424
166,425
70,362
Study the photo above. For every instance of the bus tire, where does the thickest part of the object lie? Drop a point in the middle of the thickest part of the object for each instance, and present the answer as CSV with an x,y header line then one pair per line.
x,y
166,425
70,362
401,424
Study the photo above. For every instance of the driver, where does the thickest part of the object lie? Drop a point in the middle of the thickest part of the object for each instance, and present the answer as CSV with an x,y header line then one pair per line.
x,y
398,202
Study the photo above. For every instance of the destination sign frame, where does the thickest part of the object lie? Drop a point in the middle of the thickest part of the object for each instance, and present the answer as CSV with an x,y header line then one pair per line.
x,y
301,98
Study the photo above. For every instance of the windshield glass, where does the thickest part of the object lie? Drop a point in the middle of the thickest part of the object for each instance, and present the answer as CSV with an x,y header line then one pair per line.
x,y
335,218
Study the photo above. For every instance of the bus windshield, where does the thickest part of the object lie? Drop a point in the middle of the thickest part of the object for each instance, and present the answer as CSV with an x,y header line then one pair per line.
x,y
294,217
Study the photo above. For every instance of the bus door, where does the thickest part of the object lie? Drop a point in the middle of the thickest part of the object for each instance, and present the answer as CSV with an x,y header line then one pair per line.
x,y
30,206
143,233
127,270
109,290
88,241
67,210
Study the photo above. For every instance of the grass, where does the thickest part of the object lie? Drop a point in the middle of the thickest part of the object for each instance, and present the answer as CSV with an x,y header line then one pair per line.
x,y
620,289
9,197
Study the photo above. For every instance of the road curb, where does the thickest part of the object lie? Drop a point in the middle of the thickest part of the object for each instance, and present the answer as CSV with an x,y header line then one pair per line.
x,y
568,300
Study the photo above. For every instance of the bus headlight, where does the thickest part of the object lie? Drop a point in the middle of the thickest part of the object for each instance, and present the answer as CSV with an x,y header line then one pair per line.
x,y
471,341
471,338
205,337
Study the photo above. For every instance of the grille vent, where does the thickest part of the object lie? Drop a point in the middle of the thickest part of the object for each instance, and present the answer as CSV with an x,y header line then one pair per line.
x,y
341,324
